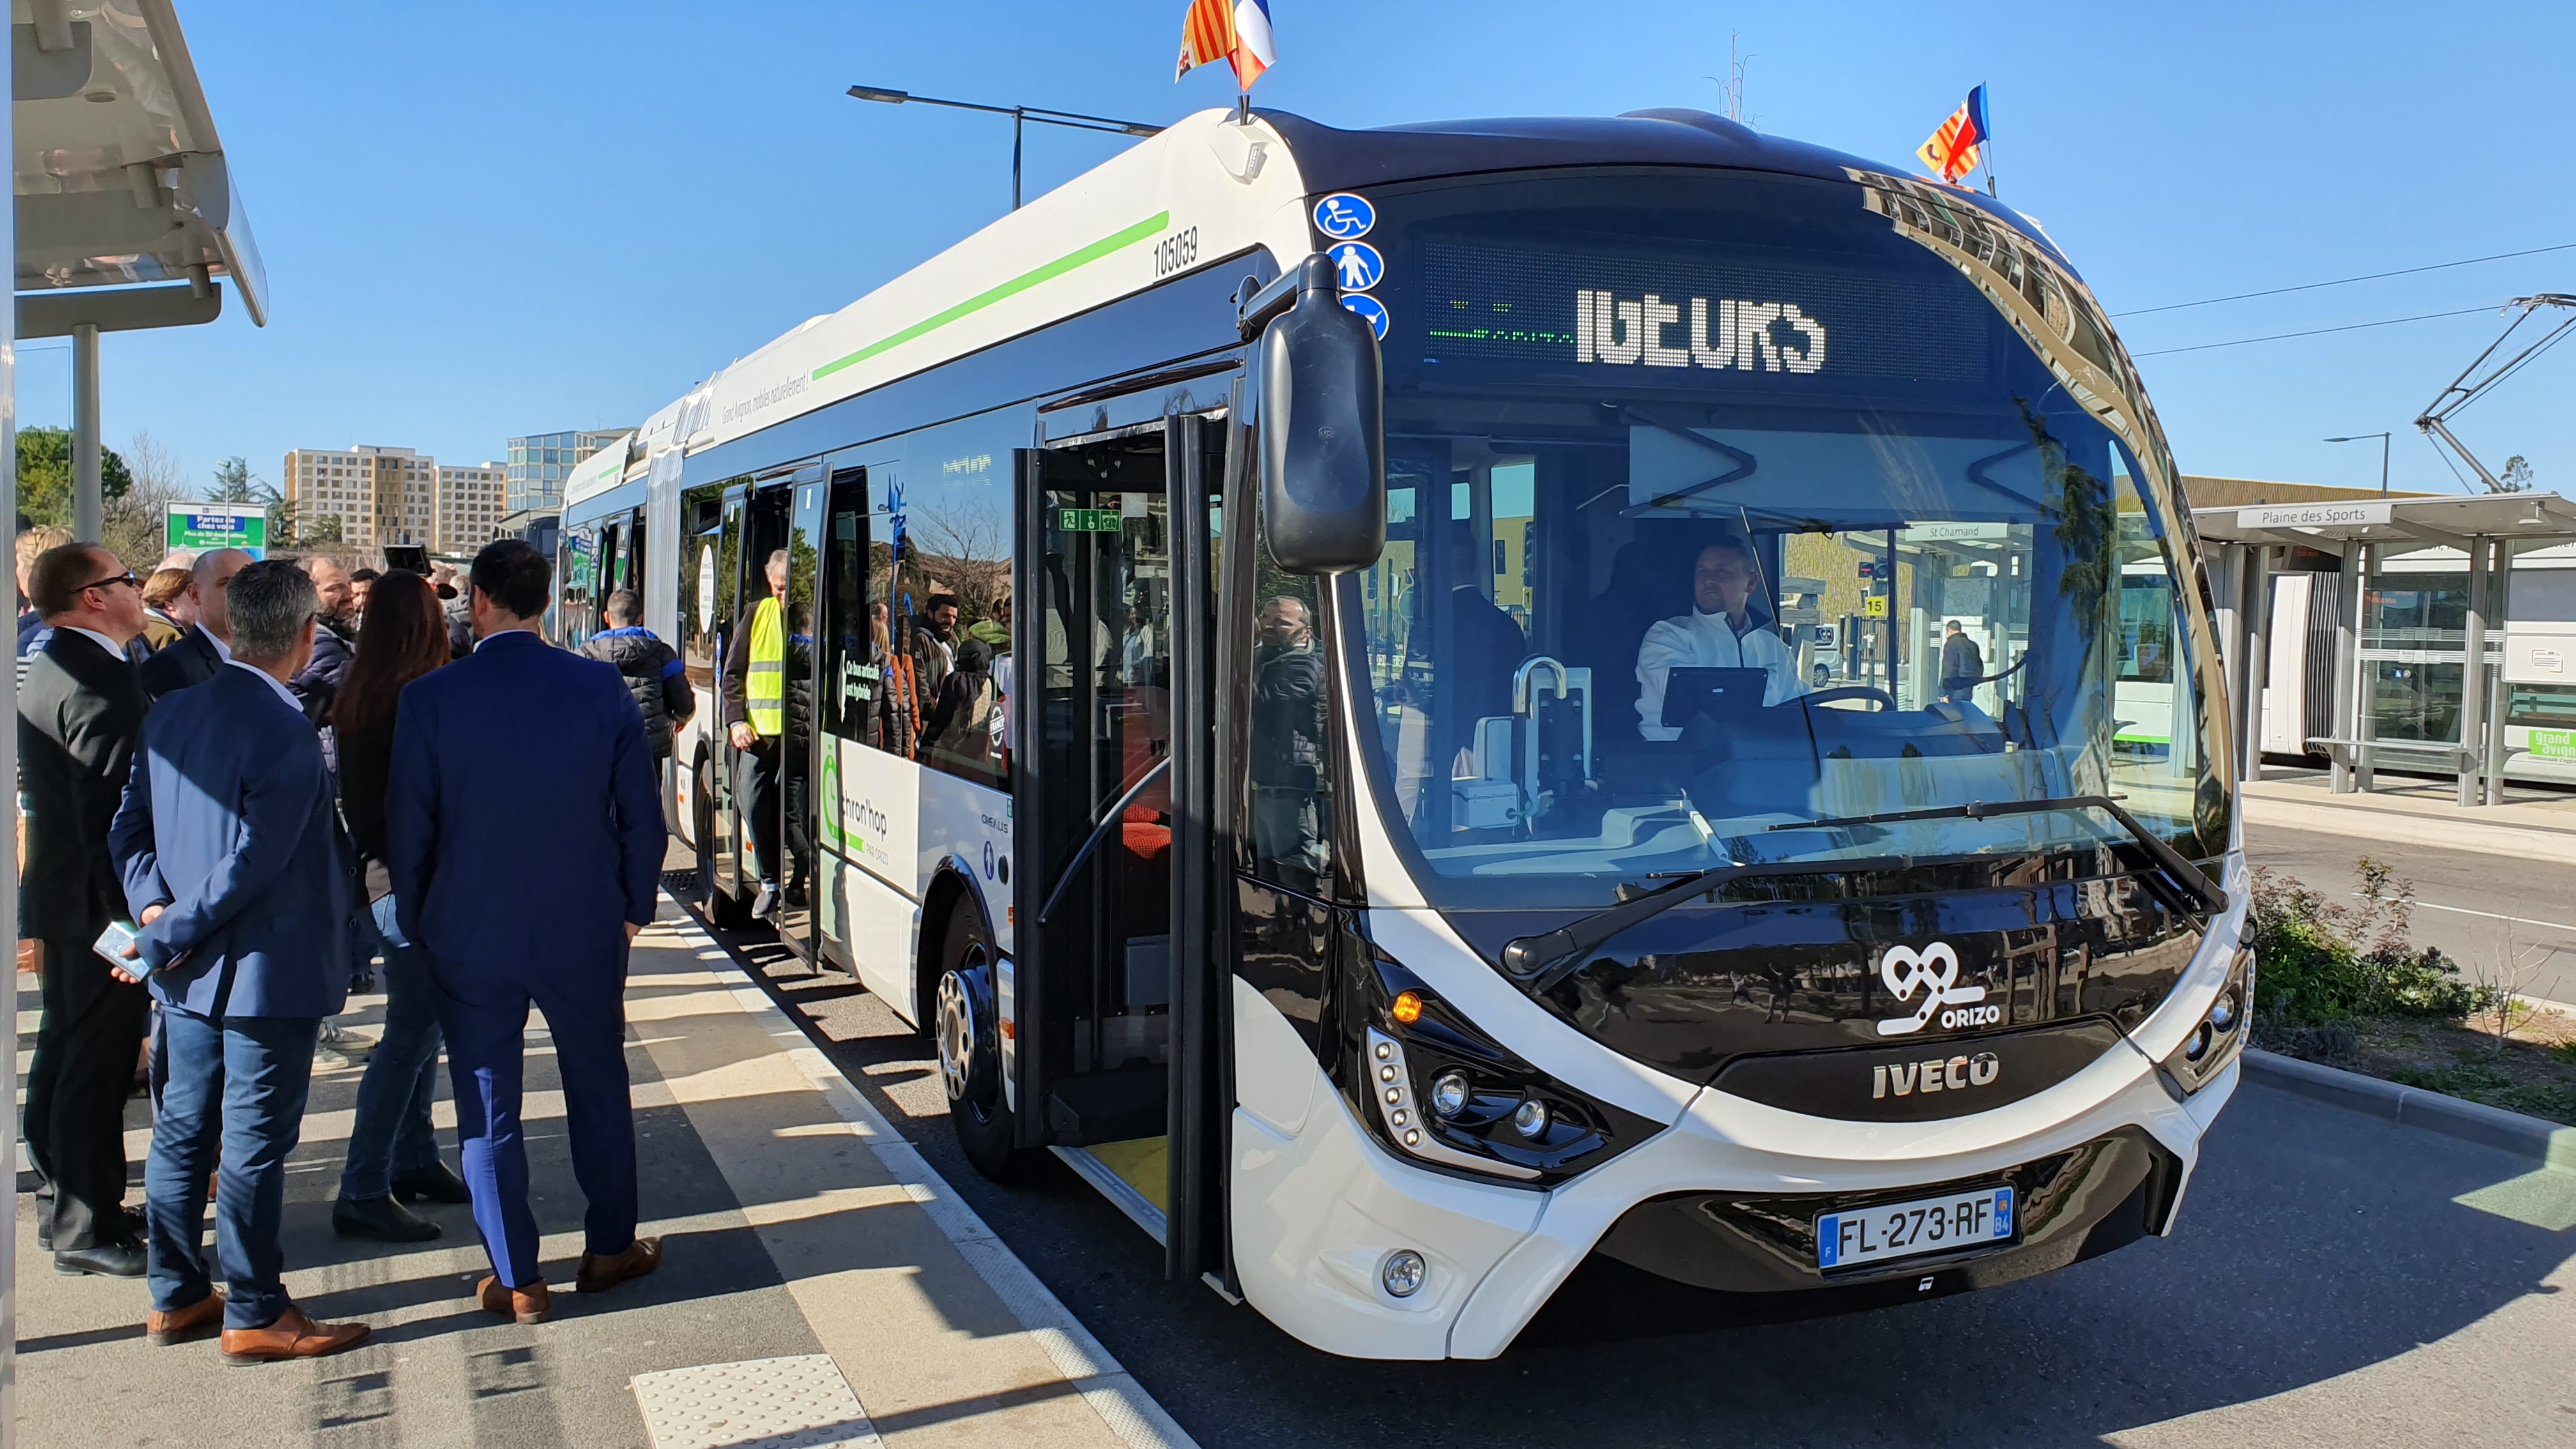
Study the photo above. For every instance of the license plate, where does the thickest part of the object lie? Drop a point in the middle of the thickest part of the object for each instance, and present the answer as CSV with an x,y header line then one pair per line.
x,y
1977,1218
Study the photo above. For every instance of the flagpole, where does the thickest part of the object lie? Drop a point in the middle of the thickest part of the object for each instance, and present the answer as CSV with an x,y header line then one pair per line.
x,y
1989,139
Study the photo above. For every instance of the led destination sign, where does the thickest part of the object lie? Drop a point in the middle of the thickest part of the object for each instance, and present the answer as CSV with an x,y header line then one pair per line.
x,y
1573,312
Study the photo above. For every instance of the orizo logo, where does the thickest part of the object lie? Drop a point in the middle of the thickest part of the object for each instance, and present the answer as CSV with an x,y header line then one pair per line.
x,y
1934,972
1954,1075
1724,333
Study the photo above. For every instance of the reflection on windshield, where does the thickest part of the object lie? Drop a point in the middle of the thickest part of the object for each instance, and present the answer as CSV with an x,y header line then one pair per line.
x,y
1582,665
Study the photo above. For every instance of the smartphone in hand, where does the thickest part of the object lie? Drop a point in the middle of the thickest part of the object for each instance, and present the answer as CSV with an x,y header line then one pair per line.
x,y
116,946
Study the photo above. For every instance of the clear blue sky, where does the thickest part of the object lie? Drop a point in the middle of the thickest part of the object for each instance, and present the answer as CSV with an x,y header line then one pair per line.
x,y
484,219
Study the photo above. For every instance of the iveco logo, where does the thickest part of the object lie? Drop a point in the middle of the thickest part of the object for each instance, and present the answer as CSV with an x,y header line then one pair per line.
x,y
1934,1075
1932,972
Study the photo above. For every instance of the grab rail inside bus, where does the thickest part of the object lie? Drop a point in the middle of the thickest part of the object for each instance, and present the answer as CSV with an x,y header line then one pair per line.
x,y
1108,818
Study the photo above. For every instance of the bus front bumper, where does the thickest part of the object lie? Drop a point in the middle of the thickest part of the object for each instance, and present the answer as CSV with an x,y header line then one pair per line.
x,y
1718,1201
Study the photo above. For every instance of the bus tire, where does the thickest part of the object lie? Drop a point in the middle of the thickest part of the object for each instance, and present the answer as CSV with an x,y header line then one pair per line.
x,y
966,1029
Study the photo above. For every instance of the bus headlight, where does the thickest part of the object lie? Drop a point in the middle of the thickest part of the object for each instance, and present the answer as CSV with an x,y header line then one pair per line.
x,y
2219,1036
1439,1091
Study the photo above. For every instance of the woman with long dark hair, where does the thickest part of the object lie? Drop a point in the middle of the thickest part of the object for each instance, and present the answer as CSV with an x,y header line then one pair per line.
x,y
393,1155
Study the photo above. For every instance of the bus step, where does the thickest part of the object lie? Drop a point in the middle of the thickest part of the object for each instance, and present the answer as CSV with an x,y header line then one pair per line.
x,y
1108,1106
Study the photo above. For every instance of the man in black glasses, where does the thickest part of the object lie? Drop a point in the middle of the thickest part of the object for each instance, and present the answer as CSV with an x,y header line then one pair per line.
x,y
78,717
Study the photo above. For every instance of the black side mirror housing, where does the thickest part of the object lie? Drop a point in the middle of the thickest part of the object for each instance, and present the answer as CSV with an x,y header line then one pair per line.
x,y
1319,395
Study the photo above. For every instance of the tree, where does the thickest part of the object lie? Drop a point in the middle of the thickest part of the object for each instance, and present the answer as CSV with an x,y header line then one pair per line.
x,y
134,523
45,475
236,483
2517,475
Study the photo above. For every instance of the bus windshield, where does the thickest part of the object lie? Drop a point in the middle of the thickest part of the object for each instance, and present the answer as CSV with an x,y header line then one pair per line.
x,y
1721,507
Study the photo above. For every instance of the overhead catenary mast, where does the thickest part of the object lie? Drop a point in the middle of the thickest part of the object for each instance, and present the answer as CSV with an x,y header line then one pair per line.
x,y
2435,421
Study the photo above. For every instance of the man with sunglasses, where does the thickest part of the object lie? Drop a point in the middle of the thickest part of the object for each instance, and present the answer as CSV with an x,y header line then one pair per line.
x,y
79,715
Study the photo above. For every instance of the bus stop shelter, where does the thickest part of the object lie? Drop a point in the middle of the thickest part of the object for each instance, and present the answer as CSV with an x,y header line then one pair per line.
x,y
2246,543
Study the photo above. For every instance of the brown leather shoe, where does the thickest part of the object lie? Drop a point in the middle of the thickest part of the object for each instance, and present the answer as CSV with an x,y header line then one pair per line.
x,y
600,1273
532,1304
292,1336
181,1325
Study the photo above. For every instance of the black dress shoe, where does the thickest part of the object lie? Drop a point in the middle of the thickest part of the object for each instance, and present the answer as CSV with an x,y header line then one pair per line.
x,y
380,1218
107,1260
434,1183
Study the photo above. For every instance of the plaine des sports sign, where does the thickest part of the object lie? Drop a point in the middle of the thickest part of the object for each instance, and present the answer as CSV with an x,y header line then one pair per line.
x,y
201,527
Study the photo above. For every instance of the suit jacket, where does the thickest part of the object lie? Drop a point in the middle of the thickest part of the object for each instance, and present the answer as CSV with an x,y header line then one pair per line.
x,y
521,813
78,716
228,820
193,660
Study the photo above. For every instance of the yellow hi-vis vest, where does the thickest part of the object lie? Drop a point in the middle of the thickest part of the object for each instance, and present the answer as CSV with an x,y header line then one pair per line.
x,y
766,687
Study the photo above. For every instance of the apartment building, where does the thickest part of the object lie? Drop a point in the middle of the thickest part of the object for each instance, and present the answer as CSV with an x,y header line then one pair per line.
x,y
365,497
540,462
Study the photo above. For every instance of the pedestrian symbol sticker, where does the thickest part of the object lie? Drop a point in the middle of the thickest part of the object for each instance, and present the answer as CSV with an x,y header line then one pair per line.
x,y
1370,308
1357,264
1344,217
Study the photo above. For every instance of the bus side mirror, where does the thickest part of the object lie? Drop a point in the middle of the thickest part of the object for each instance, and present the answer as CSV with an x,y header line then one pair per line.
x,y
1320,400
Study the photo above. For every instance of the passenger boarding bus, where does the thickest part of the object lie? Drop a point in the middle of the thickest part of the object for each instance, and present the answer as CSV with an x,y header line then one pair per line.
x,y
1380,695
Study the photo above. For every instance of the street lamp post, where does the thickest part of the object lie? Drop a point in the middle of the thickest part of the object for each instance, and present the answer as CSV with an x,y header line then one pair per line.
x,y
2383,455
1020,117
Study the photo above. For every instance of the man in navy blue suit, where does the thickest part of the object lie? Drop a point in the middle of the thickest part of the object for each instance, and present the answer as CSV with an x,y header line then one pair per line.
x,y
526,833
235,866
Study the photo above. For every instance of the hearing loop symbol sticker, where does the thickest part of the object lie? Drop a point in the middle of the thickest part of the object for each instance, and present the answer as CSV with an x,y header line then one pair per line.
x,y
1934,972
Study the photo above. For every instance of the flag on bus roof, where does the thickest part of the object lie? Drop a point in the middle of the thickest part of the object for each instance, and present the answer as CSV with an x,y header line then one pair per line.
x,y
1953,150
1234,31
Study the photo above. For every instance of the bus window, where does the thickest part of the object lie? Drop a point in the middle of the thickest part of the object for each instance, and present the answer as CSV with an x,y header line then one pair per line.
x,y
855,637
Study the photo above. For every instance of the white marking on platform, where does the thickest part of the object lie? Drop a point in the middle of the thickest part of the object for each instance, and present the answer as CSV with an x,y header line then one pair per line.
x,y
766,1403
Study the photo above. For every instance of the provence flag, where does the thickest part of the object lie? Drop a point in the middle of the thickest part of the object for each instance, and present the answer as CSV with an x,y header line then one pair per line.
x,y
1234,31
1954,149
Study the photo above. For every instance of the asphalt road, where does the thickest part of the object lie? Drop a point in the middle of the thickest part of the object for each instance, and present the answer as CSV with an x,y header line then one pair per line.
x,y
2480,909
2325,1286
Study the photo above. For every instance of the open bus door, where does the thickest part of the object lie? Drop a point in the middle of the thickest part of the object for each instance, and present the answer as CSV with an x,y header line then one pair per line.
x,y
1117,1029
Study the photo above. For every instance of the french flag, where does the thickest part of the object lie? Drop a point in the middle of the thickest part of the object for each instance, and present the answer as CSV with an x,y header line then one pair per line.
x,y
1234,31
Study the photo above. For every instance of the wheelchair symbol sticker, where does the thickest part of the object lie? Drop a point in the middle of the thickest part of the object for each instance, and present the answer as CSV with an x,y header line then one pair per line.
x,y
1344,217
1370,308
1357,264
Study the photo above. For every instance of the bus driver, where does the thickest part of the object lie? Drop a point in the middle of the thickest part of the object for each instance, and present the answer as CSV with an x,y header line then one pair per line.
x,y
1720,632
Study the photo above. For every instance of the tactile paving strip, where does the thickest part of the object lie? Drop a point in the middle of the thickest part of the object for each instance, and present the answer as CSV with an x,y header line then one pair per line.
x,y
766,1403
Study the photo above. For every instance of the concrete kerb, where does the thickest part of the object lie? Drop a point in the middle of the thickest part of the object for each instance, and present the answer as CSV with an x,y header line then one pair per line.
x,y
1112,1392
2544,1143
2468,832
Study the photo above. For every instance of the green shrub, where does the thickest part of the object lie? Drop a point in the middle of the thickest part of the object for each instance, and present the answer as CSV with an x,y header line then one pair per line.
x,y
2321,961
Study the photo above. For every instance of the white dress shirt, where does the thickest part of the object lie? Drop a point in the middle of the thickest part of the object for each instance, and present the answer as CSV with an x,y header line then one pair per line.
x,y
270,680
1707,641
223,651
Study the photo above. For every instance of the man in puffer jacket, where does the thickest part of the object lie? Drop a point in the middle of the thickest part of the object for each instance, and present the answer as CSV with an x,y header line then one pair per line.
x,y
653,672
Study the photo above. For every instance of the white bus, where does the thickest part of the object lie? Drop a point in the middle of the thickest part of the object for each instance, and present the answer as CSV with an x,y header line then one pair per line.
x,y
1406,926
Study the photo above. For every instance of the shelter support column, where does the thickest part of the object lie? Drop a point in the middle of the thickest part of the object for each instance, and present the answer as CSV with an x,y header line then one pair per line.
x,y
2346,663
2473,677
2363,722
2258,644
2499,714
88,498
2227,586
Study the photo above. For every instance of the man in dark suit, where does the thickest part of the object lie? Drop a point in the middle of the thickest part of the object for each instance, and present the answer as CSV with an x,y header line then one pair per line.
x,y
235,866
526,835
78,717
194,659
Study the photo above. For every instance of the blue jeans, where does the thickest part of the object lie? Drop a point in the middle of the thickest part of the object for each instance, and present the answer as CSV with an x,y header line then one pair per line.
x,y
392,1135
240,1080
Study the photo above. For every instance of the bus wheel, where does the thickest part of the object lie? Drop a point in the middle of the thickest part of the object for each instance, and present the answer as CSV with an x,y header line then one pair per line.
x,y
970,1055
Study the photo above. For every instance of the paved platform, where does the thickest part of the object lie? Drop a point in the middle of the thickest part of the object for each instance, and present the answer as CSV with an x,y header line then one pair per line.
x,y
806,1241
2532,824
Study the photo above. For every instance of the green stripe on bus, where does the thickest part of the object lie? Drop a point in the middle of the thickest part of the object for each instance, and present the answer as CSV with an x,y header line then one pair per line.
x,y
1016,285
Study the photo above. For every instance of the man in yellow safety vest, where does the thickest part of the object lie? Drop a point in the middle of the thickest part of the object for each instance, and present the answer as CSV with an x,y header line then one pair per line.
x,y
755,706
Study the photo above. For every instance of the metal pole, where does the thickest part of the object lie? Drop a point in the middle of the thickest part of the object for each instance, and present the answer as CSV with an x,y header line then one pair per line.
x,y
9,840
2258,646
2473,677
88,502
2501,584
2383,465
1019,122
2364,723
2346,664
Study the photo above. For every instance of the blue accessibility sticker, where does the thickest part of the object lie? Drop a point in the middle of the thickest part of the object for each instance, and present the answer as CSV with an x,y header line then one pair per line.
x,y
1344,217
1370,308
1356,264
988,860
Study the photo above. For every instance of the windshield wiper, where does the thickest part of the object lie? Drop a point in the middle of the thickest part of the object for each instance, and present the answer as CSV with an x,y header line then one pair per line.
x,y
2184,873
1540,962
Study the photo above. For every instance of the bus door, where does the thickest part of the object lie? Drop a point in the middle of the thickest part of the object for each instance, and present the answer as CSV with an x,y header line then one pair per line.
x,y
799,756
849,702
721,843
1115,745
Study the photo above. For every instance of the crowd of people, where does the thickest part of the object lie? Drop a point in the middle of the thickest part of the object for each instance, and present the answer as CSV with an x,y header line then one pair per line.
x,y
244,784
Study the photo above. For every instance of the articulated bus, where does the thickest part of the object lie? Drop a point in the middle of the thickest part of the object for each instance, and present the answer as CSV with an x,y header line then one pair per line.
x,y
1389,697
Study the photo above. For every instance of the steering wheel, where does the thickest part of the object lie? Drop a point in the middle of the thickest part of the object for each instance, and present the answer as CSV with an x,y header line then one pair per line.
x,y
1885,700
